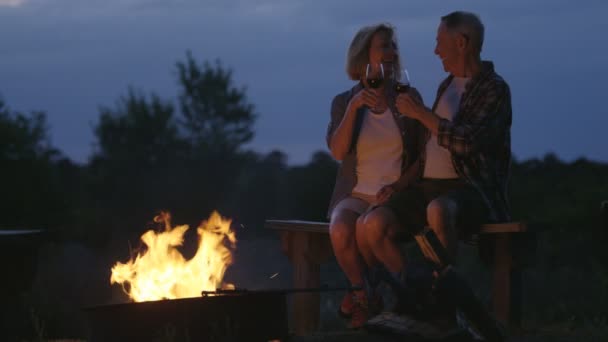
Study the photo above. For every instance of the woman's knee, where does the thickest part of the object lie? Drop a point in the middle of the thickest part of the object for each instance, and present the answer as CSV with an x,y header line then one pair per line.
x,y
377,224
360,225
360,233
342,227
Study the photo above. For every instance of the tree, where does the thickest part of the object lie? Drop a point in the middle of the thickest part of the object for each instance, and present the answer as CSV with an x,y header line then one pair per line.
x,y
24,137
135,169
217,117
31,196
217,121
138,132
311,187
260,192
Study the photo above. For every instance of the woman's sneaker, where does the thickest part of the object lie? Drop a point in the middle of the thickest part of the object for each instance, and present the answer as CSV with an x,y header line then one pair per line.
x,y
360,311
376,305
346,305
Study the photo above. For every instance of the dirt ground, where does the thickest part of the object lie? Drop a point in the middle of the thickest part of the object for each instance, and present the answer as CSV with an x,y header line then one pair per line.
x,y
71,277
367,337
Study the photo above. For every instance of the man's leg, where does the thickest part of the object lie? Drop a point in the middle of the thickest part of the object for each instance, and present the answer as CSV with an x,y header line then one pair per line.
x,y
441,216
455,211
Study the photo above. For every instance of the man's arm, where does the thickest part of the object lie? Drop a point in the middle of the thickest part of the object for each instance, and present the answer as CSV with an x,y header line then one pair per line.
x,y
411,105
484,129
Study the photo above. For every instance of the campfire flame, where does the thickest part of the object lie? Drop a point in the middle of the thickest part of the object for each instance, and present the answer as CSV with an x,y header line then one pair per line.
x,y
162,272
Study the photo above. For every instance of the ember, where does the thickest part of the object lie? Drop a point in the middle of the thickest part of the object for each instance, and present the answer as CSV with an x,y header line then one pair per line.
x,y
162,272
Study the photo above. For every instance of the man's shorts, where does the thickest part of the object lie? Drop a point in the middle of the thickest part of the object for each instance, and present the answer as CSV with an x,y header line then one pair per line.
x,y
410,205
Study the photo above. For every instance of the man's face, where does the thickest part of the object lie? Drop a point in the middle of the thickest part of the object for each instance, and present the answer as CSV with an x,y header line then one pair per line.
x,y
448,50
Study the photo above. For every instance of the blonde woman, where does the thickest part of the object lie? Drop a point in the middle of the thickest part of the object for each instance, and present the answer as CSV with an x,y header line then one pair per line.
x,y
378,151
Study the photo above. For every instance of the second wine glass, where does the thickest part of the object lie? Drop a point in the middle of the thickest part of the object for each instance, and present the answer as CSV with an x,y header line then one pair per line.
x,y
401,81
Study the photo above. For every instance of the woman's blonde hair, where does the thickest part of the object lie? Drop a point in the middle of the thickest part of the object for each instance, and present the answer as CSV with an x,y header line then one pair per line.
x,y
358,52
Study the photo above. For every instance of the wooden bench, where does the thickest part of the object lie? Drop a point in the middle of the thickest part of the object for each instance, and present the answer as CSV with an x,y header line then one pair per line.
x,y
307,245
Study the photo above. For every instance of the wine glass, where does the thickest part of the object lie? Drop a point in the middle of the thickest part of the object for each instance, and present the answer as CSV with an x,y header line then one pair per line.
x,y
401,81
374,76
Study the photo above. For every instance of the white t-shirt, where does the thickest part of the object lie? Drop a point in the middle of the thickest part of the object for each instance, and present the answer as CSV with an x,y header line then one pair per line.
x,y
438,162
379,152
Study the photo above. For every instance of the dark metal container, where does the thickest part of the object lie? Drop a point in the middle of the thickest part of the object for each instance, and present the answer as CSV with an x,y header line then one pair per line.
x,y
234,317
18,262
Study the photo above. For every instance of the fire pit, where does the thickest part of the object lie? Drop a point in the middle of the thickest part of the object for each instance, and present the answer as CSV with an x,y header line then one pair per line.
x,y
223,317
180,299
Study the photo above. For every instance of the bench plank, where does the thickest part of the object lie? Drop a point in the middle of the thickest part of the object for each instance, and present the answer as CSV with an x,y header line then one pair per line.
x,y
300,226
323,227
508,227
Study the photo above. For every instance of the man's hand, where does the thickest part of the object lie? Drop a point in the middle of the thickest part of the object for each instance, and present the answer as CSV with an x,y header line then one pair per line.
x,y
384,194
409,106
413,108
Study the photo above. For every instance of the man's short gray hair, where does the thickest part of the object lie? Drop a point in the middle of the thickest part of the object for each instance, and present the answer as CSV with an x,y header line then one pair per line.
x,y
467,24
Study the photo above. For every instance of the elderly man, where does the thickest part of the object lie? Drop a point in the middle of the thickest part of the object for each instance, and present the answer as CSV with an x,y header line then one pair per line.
x,y
465,158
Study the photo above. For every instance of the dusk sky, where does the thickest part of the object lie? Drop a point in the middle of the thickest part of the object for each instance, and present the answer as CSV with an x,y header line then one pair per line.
x,y
69,57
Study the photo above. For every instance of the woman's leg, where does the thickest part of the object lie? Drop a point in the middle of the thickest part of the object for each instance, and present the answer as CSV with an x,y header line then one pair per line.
x,y
378,232
363,244
342,235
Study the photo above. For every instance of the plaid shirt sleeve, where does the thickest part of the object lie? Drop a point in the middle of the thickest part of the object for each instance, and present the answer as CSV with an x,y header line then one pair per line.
x,y
483,126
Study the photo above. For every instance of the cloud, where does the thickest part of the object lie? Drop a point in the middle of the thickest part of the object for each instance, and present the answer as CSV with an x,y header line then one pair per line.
x,y
11,3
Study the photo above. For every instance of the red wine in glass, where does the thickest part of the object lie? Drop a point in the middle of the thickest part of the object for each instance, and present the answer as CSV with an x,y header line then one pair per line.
x,y
374,83
401,87
374,74
402,81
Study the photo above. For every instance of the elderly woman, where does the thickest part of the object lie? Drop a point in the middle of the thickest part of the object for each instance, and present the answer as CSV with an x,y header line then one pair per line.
x,y
377,149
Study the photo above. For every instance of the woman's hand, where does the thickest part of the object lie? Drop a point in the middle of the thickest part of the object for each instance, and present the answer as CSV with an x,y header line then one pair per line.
x,y
365,97
384,194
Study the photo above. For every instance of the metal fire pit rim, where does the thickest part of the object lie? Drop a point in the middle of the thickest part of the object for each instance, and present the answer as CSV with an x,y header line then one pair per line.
x,y
174,301
242,317
245,291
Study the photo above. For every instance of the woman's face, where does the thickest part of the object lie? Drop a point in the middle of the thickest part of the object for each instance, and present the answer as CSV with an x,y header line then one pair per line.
x,y
382,49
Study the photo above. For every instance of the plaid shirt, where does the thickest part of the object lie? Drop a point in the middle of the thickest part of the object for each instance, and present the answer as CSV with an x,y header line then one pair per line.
x,y
479,138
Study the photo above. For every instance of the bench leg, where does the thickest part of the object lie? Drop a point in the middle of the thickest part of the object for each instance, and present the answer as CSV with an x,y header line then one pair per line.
x,y
501,282
306,274
515,316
